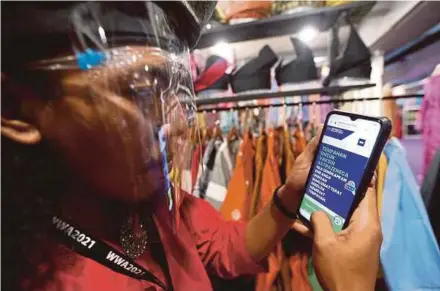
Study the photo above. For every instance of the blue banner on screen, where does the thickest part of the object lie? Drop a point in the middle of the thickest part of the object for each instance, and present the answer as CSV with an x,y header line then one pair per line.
x,y
339,167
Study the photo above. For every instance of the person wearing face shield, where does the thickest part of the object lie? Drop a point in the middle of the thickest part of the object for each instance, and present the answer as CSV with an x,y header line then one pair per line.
x,y
97,100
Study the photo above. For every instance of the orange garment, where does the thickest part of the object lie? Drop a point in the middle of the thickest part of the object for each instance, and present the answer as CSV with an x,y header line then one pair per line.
x,y
381,171
298,268
260,157
288,153
270,181
300,142
237,201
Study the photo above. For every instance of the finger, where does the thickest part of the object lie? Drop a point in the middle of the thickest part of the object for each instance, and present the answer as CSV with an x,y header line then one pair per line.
x,y
302,229
322,227
313,144
373,180
367,213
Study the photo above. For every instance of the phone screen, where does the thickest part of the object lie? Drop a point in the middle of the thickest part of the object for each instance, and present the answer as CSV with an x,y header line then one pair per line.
x,y
339,167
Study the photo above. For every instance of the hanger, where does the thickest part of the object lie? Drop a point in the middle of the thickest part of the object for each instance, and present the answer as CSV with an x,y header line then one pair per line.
x,y
284,115
217,134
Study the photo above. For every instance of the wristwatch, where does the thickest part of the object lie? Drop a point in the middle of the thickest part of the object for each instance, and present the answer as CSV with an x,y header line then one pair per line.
x,y
280,206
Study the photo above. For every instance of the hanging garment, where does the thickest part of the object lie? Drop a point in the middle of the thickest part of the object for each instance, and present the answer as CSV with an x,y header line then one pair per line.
x,y
256,73
205,171
260,158
430,125
271,180
186,184
300,143
380,183
431,194
238,197
228,119
325,108
288,157
195,164
221,173
299,268
299,70
214,76
409,254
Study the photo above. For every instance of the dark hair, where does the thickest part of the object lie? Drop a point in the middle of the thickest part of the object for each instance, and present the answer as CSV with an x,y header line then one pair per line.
x,y
33,181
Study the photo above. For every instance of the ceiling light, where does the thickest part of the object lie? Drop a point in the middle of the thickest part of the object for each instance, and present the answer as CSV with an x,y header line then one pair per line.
x,y
224,50
307,34
208,26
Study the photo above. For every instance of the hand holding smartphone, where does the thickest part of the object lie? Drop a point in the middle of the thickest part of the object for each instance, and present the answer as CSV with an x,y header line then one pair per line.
x,y
347,155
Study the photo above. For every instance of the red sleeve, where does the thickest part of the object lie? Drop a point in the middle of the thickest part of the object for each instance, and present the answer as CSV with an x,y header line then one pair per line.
x,y
221,244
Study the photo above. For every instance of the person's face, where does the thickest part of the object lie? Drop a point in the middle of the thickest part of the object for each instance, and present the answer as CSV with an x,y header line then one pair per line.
x,y
106,123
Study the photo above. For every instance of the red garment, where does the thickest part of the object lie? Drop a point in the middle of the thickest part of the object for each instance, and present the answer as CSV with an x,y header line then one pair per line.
x,y
204,243
210,75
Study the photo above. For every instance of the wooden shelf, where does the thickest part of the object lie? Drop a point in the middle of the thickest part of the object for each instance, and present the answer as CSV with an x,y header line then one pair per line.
x,y
321,18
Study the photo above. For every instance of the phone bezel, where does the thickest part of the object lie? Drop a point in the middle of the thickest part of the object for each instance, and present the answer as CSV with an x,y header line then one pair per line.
x,y
384,132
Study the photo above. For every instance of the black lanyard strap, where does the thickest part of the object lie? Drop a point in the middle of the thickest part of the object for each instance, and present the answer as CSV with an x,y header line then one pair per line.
x,y
84,244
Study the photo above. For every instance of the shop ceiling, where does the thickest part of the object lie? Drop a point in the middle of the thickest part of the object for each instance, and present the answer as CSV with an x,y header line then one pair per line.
x,y
386,26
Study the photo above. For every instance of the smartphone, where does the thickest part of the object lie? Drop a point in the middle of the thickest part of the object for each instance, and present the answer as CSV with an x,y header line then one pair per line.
x,y
348,152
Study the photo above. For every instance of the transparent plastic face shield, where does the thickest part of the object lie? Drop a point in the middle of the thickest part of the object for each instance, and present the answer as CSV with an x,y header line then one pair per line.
x,y
139,84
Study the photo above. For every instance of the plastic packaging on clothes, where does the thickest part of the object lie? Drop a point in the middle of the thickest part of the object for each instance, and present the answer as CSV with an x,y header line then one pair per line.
x,y
140,75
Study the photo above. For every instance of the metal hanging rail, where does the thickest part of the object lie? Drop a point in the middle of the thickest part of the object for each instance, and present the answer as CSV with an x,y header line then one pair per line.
x,y
310,102
331,90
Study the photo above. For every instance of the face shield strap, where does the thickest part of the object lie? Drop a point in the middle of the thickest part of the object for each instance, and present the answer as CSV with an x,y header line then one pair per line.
x,y
90,58
163,153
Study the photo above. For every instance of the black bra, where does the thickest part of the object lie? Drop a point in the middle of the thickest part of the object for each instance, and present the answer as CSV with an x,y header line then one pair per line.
x,y
256,73
299,70
355,61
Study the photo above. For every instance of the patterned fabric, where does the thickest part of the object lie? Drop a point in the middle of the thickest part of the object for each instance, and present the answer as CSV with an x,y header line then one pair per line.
x,y
222,173
205,170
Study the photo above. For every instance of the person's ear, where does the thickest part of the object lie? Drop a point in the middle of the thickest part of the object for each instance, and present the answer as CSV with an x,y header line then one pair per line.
x,y
20,131
12,128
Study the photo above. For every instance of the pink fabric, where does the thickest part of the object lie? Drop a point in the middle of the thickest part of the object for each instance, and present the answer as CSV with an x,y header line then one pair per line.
x,y
430,120
204,243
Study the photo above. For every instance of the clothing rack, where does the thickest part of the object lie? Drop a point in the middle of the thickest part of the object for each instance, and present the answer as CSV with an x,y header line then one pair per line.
x,y
331,90
309,102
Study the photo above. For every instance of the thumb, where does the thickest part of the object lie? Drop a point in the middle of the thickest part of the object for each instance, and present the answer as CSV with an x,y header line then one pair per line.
x,y
322,226
313,144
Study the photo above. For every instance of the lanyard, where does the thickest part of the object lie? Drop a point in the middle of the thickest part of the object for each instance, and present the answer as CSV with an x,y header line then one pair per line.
x,y
90,247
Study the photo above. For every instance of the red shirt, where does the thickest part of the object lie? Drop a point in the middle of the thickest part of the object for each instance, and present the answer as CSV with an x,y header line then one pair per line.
x,y
203,244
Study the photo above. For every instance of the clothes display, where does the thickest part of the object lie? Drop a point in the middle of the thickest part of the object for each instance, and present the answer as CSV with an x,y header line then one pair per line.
x,y
265,159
